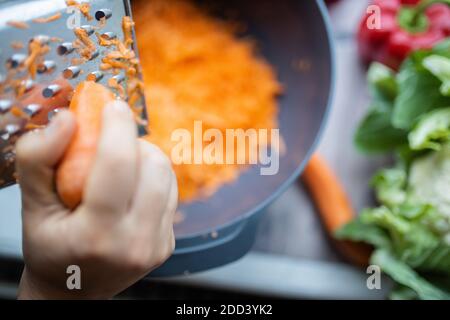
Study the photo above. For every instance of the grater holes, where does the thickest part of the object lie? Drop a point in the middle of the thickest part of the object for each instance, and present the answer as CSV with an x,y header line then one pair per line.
x,y
51,91
53,113
47,66
89,29
32,109
71,72
103,14
95,76
42,39
9,131
27,84
65,49
94,55
108,35
16,60
5,106
119,78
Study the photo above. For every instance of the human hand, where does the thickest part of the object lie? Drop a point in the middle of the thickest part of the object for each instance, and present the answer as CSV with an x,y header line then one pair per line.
x,y
122,230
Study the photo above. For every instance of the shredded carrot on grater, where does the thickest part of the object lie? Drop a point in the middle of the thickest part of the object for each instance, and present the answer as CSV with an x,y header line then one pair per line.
x,y
83,7
52,18
18,24
85,45
36,52
196,68
127,28
17,45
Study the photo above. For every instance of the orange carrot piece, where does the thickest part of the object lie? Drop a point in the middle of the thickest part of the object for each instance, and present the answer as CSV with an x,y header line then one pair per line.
x,y
51,18
87,105
333,206
60,101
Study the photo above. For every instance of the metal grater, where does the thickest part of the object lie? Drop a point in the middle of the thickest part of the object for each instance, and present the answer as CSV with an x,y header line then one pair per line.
x,y
65,63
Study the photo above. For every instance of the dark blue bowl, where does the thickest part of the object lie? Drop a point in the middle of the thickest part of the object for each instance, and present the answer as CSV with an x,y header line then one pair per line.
x,y
221,229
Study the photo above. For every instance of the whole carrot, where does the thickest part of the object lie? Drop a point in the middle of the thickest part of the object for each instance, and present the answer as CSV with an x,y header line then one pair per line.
x,y
87,105
333,206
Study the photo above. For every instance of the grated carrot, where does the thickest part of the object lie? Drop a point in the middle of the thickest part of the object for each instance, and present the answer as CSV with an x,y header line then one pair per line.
x,y
196,68
18,24
52,18
17,45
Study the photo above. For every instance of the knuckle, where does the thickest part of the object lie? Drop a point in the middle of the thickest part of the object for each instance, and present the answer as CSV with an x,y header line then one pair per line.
x,y
94,248
138,261
93,252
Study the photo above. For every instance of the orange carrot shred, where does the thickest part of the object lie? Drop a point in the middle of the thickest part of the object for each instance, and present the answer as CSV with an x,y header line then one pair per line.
x,y
52,18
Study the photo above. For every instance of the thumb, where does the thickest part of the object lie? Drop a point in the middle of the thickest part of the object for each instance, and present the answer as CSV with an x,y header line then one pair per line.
x,y
38,152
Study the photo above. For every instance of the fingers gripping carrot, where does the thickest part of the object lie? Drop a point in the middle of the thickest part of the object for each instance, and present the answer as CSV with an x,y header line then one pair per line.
x,y
333,206
87,105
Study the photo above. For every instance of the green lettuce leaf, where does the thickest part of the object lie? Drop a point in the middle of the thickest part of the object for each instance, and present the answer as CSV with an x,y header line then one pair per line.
x,y
443,48
382,84
405,275
410,115
401,292
389,186
419,92
359,231
437,260
407,246
412,236
439,66
376,134
432,130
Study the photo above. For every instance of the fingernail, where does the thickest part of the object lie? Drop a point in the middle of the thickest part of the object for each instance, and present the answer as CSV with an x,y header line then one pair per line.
x,y
118,106
117,109
52,128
